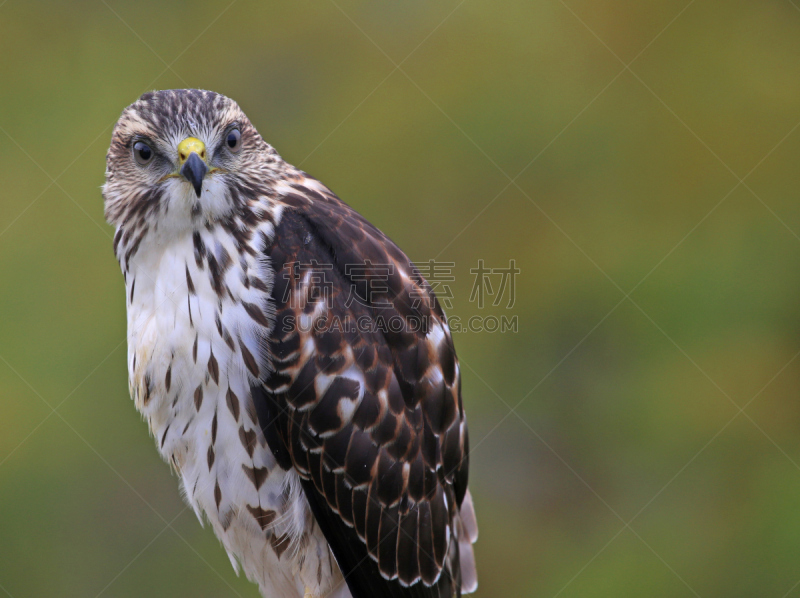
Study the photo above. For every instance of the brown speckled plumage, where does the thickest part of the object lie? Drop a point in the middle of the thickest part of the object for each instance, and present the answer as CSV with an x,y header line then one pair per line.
x,y
295,367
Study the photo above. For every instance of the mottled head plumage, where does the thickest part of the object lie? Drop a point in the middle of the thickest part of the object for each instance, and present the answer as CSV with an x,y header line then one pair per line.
x,y
145,196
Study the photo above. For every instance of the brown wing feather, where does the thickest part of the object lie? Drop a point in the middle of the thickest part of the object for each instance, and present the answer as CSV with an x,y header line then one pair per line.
x,y
366,405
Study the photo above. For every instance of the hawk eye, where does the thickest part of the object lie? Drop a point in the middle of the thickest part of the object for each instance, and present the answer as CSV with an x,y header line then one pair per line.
x,y
234,140
142,153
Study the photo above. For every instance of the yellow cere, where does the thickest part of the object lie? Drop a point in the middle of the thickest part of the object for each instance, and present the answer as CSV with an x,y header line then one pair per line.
x,y
189,145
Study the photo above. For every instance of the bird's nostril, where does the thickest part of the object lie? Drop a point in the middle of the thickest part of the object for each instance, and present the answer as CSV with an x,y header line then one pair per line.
x,y
203,154
183,156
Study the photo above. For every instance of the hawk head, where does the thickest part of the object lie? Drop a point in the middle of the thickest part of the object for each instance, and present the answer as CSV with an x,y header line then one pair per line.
x,y
181,159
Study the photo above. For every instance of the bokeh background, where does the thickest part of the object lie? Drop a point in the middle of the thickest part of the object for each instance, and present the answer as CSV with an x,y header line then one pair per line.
x,y
639,435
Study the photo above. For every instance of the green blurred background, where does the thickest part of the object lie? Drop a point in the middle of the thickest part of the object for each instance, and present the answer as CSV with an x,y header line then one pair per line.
x,y
653,214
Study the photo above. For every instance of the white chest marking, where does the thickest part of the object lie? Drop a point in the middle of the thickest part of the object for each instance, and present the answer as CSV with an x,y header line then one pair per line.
x,y
196,331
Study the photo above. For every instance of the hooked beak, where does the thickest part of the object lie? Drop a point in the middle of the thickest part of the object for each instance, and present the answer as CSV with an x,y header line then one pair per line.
x,y
192,155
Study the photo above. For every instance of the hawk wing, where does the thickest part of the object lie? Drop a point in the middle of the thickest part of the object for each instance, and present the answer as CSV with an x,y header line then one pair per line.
x,y
364,400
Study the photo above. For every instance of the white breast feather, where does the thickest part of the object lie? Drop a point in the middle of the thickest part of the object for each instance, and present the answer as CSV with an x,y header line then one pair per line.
x,y
165,322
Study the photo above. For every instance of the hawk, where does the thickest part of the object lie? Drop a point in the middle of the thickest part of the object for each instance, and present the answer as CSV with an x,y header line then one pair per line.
x,y
292,364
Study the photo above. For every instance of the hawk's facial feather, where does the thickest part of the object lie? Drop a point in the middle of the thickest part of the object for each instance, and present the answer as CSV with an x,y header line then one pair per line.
x,y
153,182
